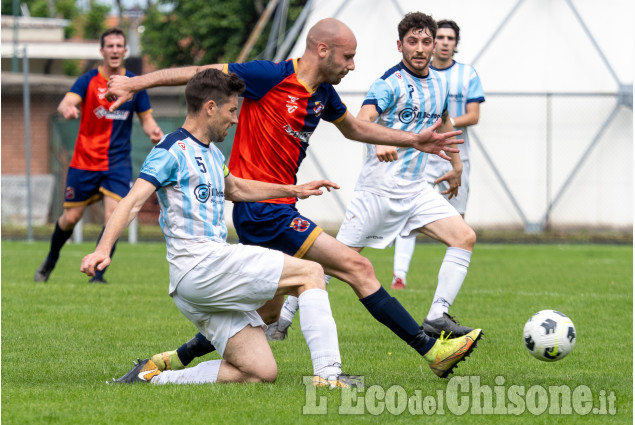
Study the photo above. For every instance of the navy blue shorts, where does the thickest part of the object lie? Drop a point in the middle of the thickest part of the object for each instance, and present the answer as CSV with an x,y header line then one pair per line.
x,y
274,226
84,187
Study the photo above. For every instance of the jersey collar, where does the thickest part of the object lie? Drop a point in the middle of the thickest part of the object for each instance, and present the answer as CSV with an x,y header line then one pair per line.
x,y
405,68
443,69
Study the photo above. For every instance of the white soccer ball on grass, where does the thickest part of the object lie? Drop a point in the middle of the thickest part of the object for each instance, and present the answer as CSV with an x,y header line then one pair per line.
x,y
549,335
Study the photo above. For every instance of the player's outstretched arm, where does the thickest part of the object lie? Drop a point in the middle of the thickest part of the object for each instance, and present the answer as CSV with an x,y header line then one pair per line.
x,y
242,190
125,212
427,141
68,107
150,127
121,89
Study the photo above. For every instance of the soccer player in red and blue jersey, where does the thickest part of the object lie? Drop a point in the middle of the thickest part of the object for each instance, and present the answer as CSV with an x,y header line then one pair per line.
x,y
101,166
283,104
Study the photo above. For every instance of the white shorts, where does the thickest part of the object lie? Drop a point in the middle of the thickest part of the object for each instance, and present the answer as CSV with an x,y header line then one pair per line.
x,y
375,221
460,201
220,295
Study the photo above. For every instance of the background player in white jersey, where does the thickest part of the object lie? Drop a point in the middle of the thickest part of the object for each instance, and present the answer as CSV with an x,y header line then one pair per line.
x,y
216,285
466,96
391,197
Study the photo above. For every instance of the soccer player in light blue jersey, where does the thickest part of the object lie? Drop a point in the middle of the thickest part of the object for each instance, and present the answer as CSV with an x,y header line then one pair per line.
x,y
391,197
219,286
466,96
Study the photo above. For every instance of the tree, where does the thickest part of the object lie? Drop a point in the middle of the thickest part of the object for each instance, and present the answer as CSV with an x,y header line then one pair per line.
x,y
95,20
203,32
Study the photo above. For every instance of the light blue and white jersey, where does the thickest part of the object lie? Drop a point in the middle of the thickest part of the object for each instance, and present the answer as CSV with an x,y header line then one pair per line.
x,y
190,181
408,102
465,87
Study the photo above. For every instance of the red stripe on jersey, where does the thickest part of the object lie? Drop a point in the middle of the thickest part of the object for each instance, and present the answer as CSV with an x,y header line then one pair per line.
x,y
95,130
270,142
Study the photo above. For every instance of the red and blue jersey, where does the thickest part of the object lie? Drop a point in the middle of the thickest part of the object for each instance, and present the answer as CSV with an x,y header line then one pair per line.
x,y
103,140
277,117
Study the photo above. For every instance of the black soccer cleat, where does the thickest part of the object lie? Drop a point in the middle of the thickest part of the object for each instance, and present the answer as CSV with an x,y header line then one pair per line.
x,y
96,279
447,324
142,371
43,272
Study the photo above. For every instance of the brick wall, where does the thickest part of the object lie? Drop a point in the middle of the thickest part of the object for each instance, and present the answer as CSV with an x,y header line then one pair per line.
x,y
13,141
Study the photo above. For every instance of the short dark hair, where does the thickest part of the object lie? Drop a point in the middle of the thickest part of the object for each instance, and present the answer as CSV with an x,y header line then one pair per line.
x,y
111,31
446,23
211,84
418,21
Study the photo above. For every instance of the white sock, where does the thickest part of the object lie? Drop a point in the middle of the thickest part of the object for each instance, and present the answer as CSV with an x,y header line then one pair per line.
x,y
320,333
327,279
202,373
404,248
289,308
451,276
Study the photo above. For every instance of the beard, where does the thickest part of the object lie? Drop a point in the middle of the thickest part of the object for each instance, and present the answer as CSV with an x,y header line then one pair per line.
x,y
332,76
417,67
215,135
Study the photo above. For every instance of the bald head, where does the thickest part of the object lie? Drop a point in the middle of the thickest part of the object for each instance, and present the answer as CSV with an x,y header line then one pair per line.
x,y
330,31
329,53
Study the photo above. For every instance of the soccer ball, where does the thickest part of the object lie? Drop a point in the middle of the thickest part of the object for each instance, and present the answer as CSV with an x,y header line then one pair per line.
x,y
549,335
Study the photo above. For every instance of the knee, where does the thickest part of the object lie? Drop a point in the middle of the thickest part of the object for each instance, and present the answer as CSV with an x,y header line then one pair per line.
x,y
464,237
362,267
69,219
469,238
314,276
265,373
361,275
269,374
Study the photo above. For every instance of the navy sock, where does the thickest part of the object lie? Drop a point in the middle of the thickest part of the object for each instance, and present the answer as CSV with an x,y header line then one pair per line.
x,y
99,274
58,239
196,347
387,310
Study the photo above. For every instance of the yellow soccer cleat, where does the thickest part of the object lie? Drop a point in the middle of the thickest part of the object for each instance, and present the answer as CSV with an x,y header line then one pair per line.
x,y
342,381
446,353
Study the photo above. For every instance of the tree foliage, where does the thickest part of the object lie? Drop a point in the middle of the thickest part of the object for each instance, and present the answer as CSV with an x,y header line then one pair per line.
x,y
203,32
95,20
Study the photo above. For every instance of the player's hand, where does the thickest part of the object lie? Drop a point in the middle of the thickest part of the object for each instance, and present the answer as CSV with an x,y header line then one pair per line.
x,y
453,177
96,260
119,91
313,188
156,135
386,153
437,143
71,112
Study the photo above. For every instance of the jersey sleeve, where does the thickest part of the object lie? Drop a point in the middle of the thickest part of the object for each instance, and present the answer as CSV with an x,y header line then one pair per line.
x,y
381,95
334,110
160,167
142,102
80,86
260,76
475,91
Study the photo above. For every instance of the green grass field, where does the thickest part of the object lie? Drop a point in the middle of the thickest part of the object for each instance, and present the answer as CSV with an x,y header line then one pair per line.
x,y
63,339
